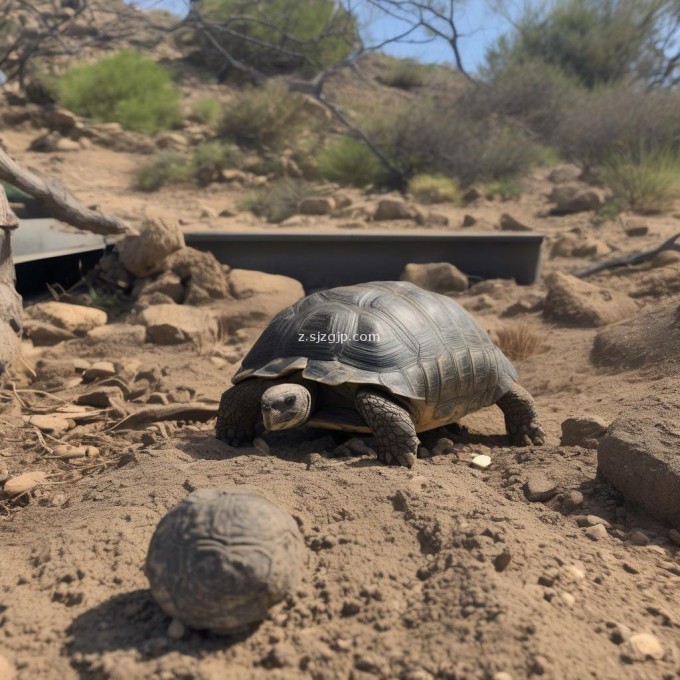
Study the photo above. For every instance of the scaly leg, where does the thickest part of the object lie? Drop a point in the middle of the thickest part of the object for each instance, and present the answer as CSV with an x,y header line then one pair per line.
x,y
391,424
521,417
239,411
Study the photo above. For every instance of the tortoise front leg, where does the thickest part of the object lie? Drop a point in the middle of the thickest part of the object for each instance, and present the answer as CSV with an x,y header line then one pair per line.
x,y
392,426
521,417
239,412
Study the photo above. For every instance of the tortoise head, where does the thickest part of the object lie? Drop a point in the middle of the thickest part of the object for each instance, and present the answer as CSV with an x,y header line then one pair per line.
x,y
285,406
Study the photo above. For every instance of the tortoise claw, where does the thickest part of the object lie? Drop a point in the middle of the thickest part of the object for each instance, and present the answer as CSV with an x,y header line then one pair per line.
x,y
235,436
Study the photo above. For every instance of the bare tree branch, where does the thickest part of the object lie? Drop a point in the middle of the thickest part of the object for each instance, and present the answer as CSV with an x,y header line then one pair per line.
x,y
58,201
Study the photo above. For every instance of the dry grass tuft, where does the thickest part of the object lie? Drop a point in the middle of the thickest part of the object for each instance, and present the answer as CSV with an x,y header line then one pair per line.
x,y
518,341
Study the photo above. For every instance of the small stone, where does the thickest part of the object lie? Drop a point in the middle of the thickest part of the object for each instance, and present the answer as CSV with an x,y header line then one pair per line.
x,y
50,424
637,537
596,532
572,501
509,223
619,633
443,446
358,447
568,599
262,446
637,230
100,397
99,370
317,205
579,430
158,398
674,536
574,572
539,488
642,646
176,629
91,451
392,209
68,452
502,561
469,220
24,483
502,675
481,462
591,521
350,608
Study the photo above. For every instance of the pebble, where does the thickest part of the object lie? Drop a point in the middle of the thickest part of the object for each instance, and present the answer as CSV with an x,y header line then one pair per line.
x,y
642,646
502,560
158,398
539,488
176,629
573,500
674,535
619,632
358,447
568,599
68,452
24,483
100,397
99,370
6,669
481,462
50,424
443,446
262,446
596,532
637,537
502,675
591,521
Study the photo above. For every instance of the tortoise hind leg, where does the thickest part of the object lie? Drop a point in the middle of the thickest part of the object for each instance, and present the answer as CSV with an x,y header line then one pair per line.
x,y
239,412
521,417
392,426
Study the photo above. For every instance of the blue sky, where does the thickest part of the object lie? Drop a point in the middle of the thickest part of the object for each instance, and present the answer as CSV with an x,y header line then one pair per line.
x,y
480,25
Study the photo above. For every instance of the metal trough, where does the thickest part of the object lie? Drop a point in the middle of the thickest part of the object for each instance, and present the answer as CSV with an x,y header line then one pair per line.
x,y
335,258
46,251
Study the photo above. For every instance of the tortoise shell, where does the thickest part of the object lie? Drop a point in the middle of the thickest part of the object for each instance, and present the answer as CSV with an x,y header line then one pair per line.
x,y
421,347
222,557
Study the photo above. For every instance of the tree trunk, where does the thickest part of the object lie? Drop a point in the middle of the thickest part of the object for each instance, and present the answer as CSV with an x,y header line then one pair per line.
x,y
10,301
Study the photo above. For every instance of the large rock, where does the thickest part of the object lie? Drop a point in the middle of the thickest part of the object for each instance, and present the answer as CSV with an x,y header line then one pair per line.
x,y
202,275
45,334
574,199
392,209
574,302
439,277
176,324
640,456
159,236
245,283
317,205
73,318
651,339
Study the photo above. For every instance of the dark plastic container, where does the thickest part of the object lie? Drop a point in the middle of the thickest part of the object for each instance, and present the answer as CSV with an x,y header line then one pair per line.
x,y
327,259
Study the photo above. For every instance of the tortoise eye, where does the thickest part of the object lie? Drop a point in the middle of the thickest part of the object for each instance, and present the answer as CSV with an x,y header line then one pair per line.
x,y
289,401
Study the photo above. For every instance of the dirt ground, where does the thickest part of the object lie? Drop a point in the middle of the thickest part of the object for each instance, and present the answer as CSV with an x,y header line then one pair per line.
x,y
404,575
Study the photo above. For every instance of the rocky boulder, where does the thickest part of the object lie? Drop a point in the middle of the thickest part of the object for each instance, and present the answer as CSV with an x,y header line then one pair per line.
x,y
439,277
392,209
203,277
73,318
582,431
176,324
574,199
640,456
159,236
574,302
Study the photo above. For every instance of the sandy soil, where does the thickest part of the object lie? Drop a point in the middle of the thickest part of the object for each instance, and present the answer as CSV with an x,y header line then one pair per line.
x,y
403,576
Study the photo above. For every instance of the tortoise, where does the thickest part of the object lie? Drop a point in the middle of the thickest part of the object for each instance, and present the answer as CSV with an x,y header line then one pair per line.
x,y
385,357
222,557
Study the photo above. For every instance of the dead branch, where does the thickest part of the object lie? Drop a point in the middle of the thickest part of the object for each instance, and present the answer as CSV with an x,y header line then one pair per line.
x,y
58,201
635,258
153,414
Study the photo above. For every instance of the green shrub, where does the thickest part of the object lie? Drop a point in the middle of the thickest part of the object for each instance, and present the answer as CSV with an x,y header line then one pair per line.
x,y
425,139
128,88
349,161
280,36
646,183
277,201
210,159
206,111
435,189
506,189
166,167
264,118
614,121
405,74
